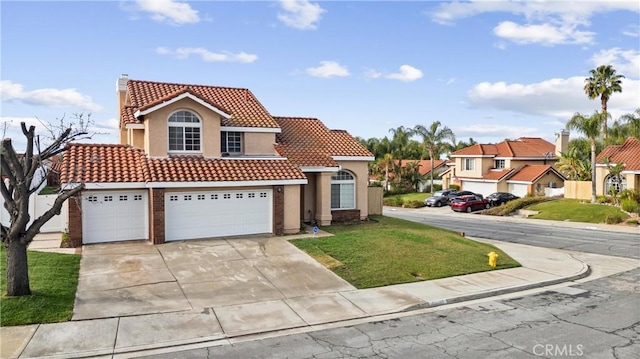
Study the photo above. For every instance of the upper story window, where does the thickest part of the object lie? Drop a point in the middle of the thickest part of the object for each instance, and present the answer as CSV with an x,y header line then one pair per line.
x,y
184,132
343,191
230,142
468,164
500,164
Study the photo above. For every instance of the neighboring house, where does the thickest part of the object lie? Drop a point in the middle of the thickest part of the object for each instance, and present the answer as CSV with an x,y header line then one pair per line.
x,y
425,172
205,161
629,154
519,167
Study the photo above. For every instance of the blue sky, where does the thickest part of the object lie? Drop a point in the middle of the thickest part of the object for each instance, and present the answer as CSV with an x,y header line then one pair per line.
x,y
488,70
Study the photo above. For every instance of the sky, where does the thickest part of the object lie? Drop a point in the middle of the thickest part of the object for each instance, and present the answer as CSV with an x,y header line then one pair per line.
x,y
486,69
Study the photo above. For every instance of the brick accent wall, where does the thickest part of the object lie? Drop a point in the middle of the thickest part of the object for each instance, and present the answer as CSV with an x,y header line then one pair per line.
x,y
156,215
75,221
278,210
346,215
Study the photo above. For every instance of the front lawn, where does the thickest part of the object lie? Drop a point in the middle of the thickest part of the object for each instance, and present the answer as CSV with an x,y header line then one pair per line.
x,y
391,251
413,200
53,278
574,211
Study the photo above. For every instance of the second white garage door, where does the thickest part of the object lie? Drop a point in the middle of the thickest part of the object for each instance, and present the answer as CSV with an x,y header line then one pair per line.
x,y
191,215
483,188
109,216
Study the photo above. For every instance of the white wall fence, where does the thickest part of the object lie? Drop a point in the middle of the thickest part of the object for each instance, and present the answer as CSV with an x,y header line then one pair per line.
x,y
553,192
38,204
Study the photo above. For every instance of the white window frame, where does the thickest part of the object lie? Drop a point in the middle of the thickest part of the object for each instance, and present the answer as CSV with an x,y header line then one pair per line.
x,y
172,122
499,164
609,181
468,164
224,142
336,180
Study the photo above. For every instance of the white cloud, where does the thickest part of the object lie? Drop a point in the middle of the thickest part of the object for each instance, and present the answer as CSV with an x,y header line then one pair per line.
x,y
494,131
206,55
169,11
328,69
546,22
546,34
10,91
300,14
372,74
407,73
559,98
626,62
632,31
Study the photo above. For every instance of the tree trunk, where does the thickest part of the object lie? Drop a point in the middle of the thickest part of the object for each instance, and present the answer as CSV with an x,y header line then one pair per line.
x,y
604,120
431,172
17,269
593,171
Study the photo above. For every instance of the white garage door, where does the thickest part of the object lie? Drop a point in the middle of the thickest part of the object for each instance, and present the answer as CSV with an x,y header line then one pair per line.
x,y
110,216
484,188
190,215
519,190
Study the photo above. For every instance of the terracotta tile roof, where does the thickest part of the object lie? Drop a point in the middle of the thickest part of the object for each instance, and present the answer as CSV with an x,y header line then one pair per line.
x,y
127,116
425,165
627,153
240,103
103,163
531,173
522,147
120,163
497,175
197,169
308,142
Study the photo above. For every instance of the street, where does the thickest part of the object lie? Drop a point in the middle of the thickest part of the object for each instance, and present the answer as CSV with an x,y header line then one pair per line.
x,y
598,319
535,233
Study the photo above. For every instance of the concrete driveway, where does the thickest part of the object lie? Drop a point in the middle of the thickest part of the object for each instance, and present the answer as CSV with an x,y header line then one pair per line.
x,y
133,278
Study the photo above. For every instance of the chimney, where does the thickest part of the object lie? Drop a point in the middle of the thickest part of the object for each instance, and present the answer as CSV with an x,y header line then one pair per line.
x,y
562,142
121,84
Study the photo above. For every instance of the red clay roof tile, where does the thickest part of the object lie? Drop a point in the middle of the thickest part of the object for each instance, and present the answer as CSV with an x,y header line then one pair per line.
x,y
627,153
530,173
522,147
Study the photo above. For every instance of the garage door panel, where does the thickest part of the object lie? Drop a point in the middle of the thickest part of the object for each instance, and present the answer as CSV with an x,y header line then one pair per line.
x,y
217,213
484,188
114,216
517,189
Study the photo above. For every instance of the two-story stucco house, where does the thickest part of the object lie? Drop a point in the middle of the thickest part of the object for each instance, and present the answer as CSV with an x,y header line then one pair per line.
x,y
521,166
199,161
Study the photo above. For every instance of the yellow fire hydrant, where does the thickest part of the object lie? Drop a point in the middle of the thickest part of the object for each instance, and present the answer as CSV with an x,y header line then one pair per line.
x,y
493,259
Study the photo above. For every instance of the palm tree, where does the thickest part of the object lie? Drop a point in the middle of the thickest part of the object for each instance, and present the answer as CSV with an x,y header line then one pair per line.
x,y
602,83
399,143
632,123
590,127
433,140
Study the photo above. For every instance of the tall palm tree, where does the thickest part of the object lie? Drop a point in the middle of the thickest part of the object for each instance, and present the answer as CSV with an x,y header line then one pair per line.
x,y
590,127
433,140
399,143
603,82
632,123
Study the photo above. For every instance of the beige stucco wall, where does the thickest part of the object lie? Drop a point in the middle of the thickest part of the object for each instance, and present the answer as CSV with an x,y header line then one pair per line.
x,y
544,182
124,137
502,186
520,163
482,165
309,208
138,138
323,198
601,175
361,171
155,136
292,209
257,143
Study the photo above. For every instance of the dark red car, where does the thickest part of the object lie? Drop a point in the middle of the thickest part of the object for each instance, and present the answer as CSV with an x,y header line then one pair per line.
x,y
469,203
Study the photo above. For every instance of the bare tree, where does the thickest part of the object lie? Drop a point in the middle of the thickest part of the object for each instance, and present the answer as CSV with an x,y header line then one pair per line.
x,y
22,177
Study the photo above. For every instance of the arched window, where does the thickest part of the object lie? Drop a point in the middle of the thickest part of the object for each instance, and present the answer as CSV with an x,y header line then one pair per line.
x,y
343,191
184,132
612,182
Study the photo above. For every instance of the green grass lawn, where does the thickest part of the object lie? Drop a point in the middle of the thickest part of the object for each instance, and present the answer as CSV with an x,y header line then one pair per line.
x,y
417,196
391,251
574,211
53,278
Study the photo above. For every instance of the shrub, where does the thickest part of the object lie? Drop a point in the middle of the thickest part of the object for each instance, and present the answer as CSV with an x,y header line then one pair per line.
x,y
630,205
396,191
436,187
414,204
629,194
393,201
454,186
512,206
375,184
613,218
604,199
632,222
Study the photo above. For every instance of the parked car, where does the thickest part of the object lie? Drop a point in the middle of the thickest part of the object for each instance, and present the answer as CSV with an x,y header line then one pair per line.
x,y
469,203
498,198
439,198
463,193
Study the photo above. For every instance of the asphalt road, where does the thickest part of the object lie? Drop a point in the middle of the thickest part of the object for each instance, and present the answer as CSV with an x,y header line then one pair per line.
x,y
599,319
534,233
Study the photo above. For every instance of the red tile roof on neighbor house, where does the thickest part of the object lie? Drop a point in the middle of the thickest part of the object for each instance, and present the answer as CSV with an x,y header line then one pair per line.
x,y
425,165
627,153
240,103
308,142
524,147
531,173
95,163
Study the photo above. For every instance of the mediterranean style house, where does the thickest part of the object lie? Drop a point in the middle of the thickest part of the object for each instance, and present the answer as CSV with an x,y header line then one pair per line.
x,y
198,161
629,155
520,167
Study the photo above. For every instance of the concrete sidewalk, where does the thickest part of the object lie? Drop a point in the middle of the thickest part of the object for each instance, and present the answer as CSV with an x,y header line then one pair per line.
x,y
131,336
